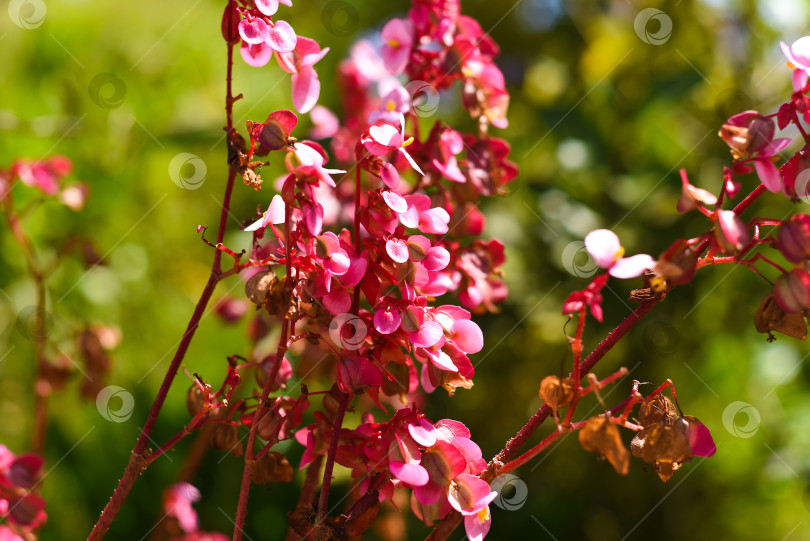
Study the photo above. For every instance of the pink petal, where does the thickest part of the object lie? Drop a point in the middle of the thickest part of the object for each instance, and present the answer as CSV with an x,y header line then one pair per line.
x,y
267,7
700,439
423,432
281,37
477,526
338,301
434,221
397,249
253,32
437,259
313,219
428,335
387,321
604,247
325,123
256,55
443,362
768,175
274,214
630,267
390,176
411,161
305,89
397,36
467,336
798,53
386,135
413,474
395,201
338,263
409,218
470,494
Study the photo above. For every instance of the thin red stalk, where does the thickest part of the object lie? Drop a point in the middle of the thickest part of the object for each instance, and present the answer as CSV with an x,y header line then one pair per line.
x,y
137,460
323,502
307,495
453,520
250,452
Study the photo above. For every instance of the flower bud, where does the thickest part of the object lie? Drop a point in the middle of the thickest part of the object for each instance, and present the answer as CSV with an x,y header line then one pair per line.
x,y
794,238
730,232
747,132
793,291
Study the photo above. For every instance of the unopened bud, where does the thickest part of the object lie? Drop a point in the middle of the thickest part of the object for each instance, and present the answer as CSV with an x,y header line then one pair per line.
x,y
794,238
793,291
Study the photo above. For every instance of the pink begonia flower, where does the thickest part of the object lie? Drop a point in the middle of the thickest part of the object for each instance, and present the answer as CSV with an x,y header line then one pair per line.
x,y
798,55
177,502
260,40
477,526
469,494
604,246
387,320
397,36
310,157
273,215
383,138
750,133
325,123
305,84
693,197
43,175
394,100
450,144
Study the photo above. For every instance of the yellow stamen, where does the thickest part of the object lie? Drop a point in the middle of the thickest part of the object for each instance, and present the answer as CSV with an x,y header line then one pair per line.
x,y
390,105
619,253
393,43
483,515
407,142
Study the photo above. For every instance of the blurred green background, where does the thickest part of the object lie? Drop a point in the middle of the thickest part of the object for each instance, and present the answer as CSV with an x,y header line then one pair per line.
x,y
600,123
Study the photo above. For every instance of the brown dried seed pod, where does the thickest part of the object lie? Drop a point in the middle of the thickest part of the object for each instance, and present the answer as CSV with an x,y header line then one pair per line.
x,y
226,438
272,467
555,392
600,435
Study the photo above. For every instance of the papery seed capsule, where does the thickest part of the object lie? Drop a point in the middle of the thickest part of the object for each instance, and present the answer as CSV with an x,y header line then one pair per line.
x,y
793,239
793,291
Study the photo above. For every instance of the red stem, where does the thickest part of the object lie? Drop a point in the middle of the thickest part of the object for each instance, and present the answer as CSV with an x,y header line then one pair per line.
x,y
453,520
323,502
137,460
250,452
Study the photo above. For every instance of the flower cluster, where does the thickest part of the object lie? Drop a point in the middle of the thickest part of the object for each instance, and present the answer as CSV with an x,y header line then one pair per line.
x,y
363,296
